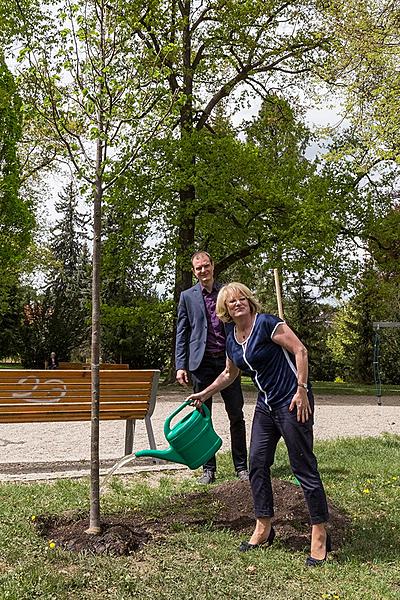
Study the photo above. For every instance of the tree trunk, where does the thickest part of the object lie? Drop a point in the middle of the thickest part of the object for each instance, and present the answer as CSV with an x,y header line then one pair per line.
x,y
187,194
94,524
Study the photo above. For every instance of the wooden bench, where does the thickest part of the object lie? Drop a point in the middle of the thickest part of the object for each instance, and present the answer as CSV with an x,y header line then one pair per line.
x,y
33,396
87,366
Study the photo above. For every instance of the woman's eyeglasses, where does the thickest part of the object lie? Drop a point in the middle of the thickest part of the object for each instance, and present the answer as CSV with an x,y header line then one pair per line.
x,y
234,301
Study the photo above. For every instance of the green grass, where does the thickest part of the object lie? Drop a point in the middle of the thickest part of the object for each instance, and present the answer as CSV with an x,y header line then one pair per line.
x,y
361,477
353,389
320,387
340,389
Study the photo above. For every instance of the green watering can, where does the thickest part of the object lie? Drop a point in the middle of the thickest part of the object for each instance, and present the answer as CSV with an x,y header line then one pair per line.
x,y
192,440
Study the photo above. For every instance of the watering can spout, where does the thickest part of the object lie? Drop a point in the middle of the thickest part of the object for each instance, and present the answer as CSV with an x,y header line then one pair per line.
x,y
169,454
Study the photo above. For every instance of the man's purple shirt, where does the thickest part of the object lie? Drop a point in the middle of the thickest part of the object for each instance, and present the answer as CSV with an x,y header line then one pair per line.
x,y
215,331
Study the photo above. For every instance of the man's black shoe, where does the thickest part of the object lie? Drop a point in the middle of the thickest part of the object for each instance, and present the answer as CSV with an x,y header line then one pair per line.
x,y
243,475
207,477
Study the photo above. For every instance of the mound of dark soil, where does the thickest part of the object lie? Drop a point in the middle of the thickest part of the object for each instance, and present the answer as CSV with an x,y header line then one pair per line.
x,y
228,505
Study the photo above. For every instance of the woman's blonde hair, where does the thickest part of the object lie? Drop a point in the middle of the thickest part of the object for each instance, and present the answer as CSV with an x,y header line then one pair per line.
x,y
234,288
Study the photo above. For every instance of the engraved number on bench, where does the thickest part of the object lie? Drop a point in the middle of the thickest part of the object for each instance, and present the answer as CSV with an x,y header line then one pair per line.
x,y
54,395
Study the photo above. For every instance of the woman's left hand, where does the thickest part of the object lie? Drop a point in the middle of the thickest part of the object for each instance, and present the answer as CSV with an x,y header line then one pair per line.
x,y
300,401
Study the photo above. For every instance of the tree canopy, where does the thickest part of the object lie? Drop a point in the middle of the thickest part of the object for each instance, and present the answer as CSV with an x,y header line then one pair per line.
x,y
16,218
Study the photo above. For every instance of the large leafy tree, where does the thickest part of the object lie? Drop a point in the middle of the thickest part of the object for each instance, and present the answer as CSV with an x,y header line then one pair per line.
x,y
212,51
365,63
259,199
17,220
262,197
261,203
16,217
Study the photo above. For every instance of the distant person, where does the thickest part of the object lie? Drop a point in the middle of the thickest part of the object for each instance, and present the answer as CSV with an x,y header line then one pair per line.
x,y
53,361
200,351
278,365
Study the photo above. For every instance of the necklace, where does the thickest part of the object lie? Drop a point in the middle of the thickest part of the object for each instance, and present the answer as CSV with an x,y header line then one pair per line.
x,y
244,333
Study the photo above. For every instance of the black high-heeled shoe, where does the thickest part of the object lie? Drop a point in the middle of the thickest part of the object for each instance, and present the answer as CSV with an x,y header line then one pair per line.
x,y
317,562
246,546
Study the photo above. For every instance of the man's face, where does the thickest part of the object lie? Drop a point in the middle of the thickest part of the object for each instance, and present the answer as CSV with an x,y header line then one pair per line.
x,y
203,269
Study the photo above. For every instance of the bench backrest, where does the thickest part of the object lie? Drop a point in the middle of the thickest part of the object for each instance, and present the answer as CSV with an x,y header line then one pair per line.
x,y
65,395
87,366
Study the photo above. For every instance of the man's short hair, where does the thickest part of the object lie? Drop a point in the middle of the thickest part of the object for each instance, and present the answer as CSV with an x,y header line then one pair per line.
x,y
198,254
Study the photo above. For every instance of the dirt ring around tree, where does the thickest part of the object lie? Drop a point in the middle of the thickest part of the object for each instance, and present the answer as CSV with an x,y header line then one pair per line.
x,y
228,505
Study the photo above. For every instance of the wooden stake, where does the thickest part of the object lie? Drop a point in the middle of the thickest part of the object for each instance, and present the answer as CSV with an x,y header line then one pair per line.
x,y
278,293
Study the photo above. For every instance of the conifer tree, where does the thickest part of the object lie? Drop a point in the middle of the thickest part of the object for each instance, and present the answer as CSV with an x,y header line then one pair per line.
x,y
57,317
68,287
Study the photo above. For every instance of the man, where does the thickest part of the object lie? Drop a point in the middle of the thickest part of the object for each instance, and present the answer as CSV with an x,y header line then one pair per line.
x,y
200,351
53,362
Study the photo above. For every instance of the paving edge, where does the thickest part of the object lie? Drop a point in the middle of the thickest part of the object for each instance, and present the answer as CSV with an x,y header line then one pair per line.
x,y
49,476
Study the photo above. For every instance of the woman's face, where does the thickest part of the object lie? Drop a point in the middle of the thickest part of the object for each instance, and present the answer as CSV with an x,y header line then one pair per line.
x,y
237,305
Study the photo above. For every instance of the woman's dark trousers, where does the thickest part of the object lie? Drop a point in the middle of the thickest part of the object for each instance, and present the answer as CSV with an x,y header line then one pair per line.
x,y
268,427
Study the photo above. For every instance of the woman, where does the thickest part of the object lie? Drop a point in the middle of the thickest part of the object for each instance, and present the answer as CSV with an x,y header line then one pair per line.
x,y
277,360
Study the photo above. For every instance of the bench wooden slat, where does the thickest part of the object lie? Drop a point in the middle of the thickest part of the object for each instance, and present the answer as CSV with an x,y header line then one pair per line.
x,y
73,383
14,375
55,396
53,408
74,388
87,366
14,403
127,388
66,417
73,407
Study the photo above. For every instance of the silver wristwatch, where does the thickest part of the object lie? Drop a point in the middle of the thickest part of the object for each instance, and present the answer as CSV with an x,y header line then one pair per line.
x,y
303,385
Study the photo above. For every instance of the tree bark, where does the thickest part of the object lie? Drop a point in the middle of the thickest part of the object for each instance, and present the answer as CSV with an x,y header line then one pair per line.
x,y
94,524
94,521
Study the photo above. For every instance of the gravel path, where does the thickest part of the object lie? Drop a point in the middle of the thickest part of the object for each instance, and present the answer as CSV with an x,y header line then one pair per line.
x,y
50,450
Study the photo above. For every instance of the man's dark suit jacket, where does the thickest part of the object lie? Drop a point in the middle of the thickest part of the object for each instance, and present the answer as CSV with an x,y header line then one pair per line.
x,y
191,329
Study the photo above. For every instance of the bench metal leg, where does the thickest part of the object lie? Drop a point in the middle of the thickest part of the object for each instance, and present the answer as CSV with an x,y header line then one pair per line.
x,y
129,435
150,433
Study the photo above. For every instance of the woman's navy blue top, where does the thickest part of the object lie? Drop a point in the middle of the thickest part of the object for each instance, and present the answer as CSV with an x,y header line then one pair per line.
x,y
271,367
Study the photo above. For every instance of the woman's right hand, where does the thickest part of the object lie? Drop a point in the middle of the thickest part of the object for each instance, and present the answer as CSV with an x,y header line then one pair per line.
x,y
196,399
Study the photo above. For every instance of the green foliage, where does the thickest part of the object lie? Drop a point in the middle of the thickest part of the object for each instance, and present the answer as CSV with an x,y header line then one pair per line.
x,y
16,219
259,201
217,52
57,318
352,338
311,321
91,100
384,244
136,324
340,341
11,320
139,334
16,216
365,63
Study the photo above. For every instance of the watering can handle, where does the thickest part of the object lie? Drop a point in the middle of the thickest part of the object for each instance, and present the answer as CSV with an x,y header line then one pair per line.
x,y
167,428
